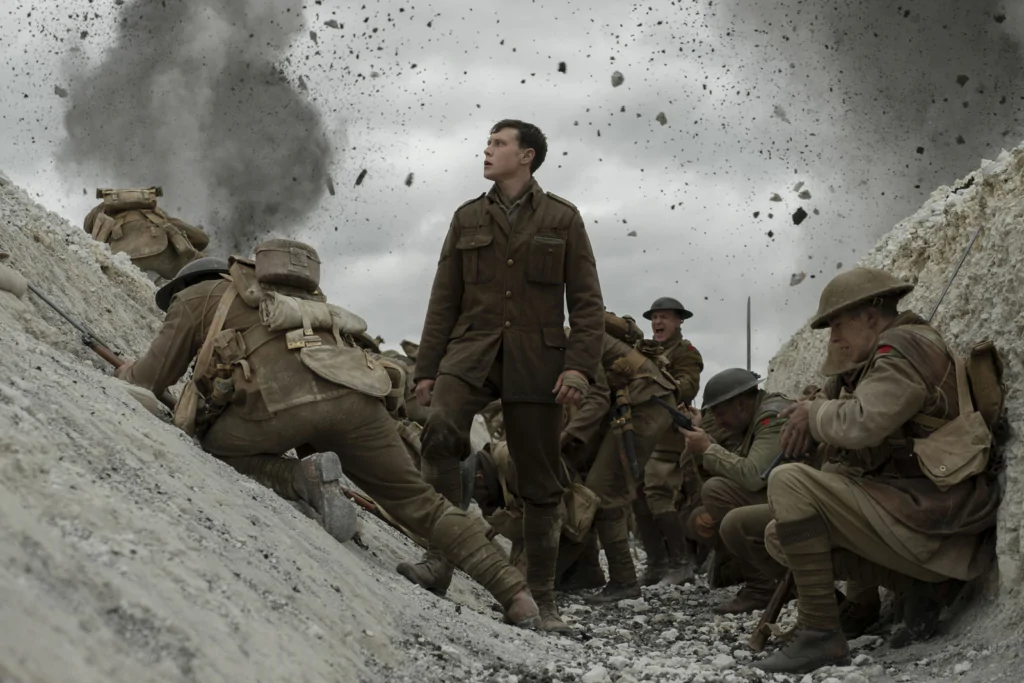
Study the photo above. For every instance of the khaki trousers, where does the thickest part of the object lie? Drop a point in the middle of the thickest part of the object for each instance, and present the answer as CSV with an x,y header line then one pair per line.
x,y
608,476
797,492
359,430
532,431
719,497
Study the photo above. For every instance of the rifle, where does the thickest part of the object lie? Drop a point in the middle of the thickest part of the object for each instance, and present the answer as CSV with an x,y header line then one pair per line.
x,y
371,506
623,422
762,632
98,347
772,465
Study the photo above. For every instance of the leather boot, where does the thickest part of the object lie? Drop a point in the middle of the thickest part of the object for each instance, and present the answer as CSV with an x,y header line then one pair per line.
x,y
680,558
316,482
753,595
612,530
463,540
433,572
542,527
313,481
653,544
808,650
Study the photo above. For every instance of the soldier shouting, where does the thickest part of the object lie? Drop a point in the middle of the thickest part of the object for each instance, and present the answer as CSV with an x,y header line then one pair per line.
x,y
513,257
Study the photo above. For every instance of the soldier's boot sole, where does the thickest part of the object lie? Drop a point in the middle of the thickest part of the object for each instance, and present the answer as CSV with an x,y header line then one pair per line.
x,y
433,573
320,474
807,651
613,592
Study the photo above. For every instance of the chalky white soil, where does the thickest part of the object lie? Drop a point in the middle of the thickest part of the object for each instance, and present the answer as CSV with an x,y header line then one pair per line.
x,y
127,554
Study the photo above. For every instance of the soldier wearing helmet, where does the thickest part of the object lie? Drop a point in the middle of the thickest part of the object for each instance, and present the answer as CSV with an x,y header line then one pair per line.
x,y
278,368
875,512
669,556
742,410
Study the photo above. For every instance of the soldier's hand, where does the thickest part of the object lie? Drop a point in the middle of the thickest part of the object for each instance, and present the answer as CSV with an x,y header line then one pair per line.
x,y
796,439
120,371
695,416
570,387
423,389
697,441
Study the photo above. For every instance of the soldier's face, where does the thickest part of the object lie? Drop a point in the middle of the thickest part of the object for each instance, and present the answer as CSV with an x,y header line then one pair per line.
x,y
503,157
734,415
664,324
854,334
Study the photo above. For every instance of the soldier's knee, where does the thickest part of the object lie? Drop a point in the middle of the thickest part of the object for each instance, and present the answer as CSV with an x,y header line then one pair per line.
x,y
784,481
715,491
441,439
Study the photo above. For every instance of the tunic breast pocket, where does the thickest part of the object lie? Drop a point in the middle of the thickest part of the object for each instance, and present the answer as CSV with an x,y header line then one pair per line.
x,y
478,259
546,264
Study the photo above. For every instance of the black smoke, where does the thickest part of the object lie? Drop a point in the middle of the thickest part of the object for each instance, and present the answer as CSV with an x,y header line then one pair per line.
x,y
195,97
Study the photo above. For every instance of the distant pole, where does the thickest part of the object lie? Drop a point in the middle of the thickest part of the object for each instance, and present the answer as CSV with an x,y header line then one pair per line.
x,y
748,333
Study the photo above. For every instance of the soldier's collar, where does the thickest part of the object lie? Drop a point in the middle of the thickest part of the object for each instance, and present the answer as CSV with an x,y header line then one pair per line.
x,y
531,193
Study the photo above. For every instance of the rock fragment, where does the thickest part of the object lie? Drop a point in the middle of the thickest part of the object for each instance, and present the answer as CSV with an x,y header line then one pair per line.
x,y
617,79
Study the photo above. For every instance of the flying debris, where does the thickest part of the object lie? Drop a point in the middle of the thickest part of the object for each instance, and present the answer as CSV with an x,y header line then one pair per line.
x,y
776,197
617,79
631,233
59,91
408,180
780,113
330,185
359,180
797,278
799,215
804,194
660,118
561,67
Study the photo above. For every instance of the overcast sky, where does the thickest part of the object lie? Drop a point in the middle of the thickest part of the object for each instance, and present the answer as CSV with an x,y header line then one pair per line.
x,y
869,106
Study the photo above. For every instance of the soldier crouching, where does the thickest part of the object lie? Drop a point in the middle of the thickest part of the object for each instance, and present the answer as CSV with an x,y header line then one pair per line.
x,y
903,503
277,369
739,408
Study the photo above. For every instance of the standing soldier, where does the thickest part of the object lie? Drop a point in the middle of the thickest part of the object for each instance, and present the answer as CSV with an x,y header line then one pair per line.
x,y
906,500
657,520
739,408
512,259
277,368
130,221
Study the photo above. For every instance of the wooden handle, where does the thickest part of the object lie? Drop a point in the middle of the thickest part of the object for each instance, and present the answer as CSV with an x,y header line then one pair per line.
x,y
106,354
762,632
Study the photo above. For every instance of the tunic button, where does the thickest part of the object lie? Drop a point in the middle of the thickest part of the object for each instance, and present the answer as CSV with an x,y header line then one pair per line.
x,y
508,324
508,295
510,262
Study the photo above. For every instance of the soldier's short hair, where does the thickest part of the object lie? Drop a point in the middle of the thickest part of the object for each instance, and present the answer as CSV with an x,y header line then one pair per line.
x,y
530,137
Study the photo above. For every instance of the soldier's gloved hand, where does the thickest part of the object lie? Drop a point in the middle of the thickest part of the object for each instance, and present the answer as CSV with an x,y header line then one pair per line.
x,y
796,439
423,389
570,388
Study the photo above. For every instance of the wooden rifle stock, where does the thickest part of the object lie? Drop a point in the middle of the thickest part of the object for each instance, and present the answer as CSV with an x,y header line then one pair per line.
x,y
770,615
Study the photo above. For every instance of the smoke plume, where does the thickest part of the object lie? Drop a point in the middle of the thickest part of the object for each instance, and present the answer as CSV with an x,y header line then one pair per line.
x,y
912,94
192,96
